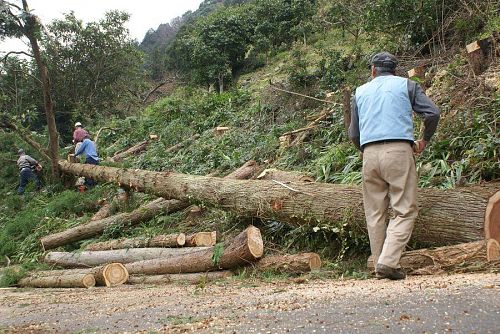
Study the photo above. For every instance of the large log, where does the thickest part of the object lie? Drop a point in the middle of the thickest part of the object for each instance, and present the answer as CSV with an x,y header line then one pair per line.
x,y
92,228
245,248
201,239
170,240
289,263
136,149
61,281
492,250
97,258
447,216
109,275
492,218
191,278
471,255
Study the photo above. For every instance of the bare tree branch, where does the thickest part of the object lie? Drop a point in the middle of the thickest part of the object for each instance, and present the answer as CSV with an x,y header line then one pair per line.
x,y
17,53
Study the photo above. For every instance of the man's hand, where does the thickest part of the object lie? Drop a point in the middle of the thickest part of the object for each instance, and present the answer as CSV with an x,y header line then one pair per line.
x,y
419,146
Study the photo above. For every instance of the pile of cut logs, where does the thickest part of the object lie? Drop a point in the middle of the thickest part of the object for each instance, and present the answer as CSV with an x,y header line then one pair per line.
x,y
162,258
165,258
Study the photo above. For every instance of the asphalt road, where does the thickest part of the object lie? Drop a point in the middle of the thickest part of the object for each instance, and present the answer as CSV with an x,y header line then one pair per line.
x,y
465,303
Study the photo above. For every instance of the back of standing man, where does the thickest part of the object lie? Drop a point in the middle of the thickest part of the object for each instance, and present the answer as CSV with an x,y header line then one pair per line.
x,y
382,129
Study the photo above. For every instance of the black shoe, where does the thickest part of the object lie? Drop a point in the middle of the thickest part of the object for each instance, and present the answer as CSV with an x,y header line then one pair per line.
x,y
383,271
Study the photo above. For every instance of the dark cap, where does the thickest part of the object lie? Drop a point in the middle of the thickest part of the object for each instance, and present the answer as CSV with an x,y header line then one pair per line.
x,y
384,59
20,151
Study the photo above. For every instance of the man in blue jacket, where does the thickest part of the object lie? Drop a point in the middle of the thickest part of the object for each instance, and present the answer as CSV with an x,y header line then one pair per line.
x,y
382,129
88,148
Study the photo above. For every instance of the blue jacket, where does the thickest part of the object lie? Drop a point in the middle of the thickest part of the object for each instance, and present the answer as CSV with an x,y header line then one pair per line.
x,y
382,110
88,148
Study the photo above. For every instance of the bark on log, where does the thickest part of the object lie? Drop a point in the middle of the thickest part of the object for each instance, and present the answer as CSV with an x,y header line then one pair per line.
x,y
192,278
144,213
90,229
171,240
244,172
447,216
245,248
444,259
201,239
62,281
109,275
102,213
97,258
289,263
492,250
284,176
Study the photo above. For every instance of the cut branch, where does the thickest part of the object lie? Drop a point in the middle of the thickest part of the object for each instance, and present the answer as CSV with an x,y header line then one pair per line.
x,y
462,257
245,248
62,281
97,258
192,278
171,240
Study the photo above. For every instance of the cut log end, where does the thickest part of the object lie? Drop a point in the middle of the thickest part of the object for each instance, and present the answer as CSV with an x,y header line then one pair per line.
x,y
88,281
492,218
255,243
493,250
314,262
181,239
115,274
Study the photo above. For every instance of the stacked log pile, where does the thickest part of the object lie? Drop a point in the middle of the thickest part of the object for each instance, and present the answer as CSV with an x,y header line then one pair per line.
x,y
160,259
121,262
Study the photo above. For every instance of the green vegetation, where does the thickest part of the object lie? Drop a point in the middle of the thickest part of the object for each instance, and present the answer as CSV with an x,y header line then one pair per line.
x,y
222,58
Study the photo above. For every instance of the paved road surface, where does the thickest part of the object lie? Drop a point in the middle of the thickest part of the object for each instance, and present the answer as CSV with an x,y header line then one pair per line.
x,y
465,303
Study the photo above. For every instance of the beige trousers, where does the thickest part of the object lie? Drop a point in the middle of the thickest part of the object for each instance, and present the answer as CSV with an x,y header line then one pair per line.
x,y
389,177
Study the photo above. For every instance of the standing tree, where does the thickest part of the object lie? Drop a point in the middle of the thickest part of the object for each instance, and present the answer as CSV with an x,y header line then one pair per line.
x,y
17,22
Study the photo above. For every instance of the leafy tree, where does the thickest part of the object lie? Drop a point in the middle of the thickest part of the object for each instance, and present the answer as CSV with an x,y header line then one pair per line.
x,y
96,67
19,21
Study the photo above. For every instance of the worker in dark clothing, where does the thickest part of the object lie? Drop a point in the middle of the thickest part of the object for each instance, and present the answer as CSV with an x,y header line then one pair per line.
x,y
27,167
382,128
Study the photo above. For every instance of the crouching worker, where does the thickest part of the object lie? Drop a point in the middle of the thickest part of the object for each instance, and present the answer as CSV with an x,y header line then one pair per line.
x,y
27,167
88,148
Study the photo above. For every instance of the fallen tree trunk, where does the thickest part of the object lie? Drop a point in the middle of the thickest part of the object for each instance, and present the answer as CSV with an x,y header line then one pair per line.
x,y
144,213
138,148
289,263
92,228
201,239
192,278
447,216
284,176
245,248
170,240
109,275
61,281
461,257
97,258
246,171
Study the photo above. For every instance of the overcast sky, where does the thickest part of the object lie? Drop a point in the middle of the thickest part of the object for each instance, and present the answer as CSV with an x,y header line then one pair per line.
x,y
145,14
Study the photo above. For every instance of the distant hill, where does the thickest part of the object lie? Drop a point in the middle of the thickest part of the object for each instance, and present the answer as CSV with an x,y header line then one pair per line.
x,y
166,32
